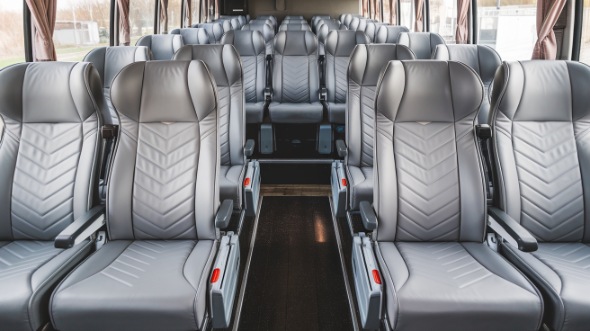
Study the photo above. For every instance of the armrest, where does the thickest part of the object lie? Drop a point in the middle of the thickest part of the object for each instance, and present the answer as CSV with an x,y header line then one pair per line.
x,y
249,148
81,228
368,216
341,148
224,214
505,225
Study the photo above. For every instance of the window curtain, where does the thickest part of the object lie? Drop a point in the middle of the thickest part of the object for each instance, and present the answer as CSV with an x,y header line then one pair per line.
x,y
462,32
123,6
365,8
393,12
43,14
187,19
548,12
419,7
216,10
163,16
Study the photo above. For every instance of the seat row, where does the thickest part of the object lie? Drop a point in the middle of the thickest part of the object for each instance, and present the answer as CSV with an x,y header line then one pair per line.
x,y
431,254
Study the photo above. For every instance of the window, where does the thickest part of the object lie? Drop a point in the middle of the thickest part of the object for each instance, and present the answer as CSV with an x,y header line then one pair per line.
x,y
509,26
406,14
443,18
173,18
80,26
12,38
585,42
141,18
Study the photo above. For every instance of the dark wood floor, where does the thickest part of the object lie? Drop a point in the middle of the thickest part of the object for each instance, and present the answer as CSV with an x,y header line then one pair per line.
x,y
295,280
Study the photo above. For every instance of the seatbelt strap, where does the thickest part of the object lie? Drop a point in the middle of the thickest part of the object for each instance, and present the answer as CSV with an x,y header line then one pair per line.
x,y
109,131
268,88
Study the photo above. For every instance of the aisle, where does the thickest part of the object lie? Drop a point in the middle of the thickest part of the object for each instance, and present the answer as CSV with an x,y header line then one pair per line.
x,y
295,280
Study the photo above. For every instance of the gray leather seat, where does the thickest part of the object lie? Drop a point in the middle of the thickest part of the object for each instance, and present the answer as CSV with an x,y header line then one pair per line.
x,y
295,79
483,59
162,46
316,20
389,34
294,17
214,31
153,273
366,65
192,36
49,154
339,46
226,25
371,30
421,43
109,61
272,19
223,61
325,27
354,23
347,19
295,27
431,208
539,120
235,23
251,47
267,31
362,24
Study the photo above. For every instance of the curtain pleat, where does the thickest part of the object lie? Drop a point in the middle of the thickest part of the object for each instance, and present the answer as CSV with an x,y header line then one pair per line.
x,y
462,32
124,26
419,7
548,12
43,14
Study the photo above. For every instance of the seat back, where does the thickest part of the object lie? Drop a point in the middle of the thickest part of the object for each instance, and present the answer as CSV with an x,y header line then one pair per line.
x,y
272,19
316,20
193,36
483,59
325,27
429,183
214,31
367,62
347,19
162,46
251,47
225,24
371,30
294,27
389,34
267,31
540,117
295,67
421,43
163,181
223,61
362,25
50,147
339,46
235,23
109,61
354,23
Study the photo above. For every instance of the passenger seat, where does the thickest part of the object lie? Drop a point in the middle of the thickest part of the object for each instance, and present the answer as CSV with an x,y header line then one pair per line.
x,y
540,112
192,36
339,46
214,31
50,152
295,27
162,46
422,44
388,34
267,31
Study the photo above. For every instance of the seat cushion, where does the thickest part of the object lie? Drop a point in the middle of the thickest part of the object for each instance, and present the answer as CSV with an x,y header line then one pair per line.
x,y
562,273
360,181
28,271
254,112
296,112
455,287
230,183
136,285
337,112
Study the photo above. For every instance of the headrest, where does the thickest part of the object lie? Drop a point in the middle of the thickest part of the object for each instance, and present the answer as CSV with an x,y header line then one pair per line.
x,y
145,91
428,91
50,92
422,43
368,61
483,59
388,34
223,61
342,42
295,43
246,42
110,60
193,36
163,46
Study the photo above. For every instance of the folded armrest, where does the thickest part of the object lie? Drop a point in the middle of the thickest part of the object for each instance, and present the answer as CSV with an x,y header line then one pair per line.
x,y
81,228
224,214
368,216
341,148
249,148
505,225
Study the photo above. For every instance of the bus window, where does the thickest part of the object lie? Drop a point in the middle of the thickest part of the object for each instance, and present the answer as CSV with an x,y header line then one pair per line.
x,y
141,19
406,14
172,19
585,43
80,26
443,18
12,41
509,26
